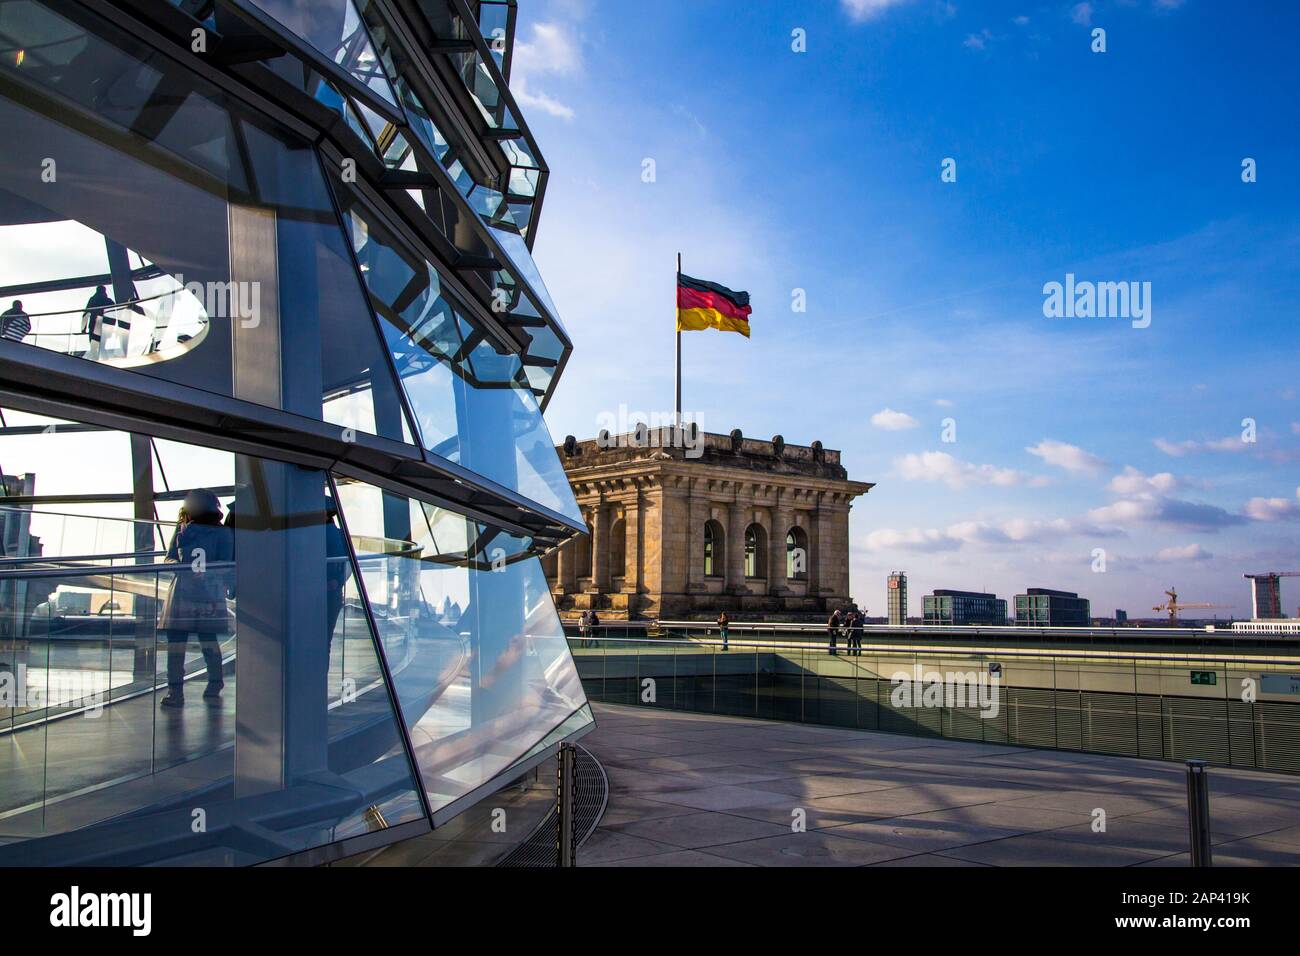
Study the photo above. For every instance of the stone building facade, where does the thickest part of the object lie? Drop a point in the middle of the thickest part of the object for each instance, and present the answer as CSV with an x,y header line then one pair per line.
x,y
686,525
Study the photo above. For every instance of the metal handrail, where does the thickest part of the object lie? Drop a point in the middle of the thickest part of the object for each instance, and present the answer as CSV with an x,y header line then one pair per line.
x,y
884,649
51,559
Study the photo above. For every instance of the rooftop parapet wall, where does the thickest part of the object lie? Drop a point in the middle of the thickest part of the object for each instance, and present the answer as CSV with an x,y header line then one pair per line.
x,y
774,456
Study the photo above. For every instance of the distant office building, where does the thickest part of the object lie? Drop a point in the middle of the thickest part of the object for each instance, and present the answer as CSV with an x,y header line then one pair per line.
x,y
964,607
896,598
1266,597
1121,616
1043,607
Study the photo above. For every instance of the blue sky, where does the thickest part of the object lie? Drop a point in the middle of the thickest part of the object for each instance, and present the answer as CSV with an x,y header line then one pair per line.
x,y
821,171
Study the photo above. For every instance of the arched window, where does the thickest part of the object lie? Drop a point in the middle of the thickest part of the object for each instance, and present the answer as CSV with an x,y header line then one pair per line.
x,y
796,554
582,556
755,552
618,549
713,550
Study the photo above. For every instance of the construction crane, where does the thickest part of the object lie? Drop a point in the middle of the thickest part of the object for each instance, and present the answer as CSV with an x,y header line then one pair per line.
x,y
1266,593
1173,606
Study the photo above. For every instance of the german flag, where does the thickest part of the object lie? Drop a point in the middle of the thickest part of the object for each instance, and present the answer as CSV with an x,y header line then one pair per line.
x,y
707,305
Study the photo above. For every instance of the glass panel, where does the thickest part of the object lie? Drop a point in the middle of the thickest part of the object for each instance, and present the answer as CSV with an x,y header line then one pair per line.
x,y
89,267
479,659
473,405
334,28
207,661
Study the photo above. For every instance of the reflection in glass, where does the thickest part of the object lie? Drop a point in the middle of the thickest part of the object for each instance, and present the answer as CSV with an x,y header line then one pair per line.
x,y
189,631
478,655
473,405
250,232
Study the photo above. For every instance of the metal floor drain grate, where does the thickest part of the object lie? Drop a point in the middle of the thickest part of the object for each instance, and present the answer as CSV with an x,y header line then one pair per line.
x,y
590,794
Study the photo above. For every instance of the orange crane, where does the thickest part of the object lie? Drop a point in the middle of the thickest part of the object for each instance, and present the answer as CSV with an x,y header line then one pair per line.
x,y
1173,606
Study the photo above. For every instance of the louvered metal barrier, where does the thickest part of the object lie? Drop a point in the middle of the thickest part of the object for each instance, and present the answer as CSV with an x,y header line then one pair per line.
x,y
1229,710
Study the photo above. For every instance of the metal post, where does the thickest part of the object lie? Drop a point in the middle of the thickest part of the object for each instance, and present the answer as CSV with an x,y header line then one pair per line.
x,y
1198,811
564,798
677,417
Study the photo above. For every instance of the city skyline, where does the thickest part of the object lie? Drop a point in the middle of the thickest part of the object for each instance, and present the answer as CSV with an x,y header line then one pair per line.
x,y
926,300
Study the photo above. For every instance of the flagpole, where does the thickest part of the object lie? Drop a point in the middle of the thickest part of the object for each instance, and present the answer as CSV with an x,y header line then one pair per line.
x,y
677,418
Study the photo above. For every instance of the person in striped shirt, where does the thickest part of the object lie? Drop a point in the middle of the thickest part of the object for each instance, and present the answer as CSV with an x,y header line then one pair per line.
x,y
15,323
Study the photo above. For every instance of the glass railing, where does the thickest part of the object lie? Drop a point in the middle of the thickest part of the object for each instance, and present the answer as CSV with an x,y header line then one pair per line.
x,y
118,689
1233,709
154,328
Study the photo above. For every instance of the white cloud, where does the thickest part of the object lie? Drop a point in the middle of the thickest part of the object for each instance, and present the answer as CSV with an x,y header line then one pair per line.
x,y
914,539
1168,512
1273,509
1295,428
975,533
892,421
947,403
1021,20
552,49
1082,14
1070,457
1191,552
977,41
1133,482
1181,448
955,473
863,10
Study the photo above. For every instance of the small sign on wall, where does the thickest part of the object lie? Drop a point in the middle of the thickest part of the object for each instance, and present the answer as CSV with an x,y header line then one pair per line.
x,y
1205,678
1280,684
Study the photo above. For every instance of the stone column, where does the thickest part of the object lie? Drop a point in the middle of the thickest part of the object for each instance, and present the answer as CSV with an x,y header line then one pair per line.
x,y
821,575
632,545
563,566
776,576
736,547
599,548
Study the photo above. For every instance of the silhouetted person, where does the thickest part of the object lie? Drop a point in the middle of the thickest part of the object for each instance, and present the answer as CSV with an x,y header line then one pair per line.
x,y
833,628
724,626
15,324
92,320
196,602
119,321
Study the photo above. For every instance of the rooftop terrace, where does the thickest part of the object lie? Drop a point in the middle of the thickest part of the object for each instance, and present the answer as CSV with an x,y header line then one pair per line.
x,y
701,790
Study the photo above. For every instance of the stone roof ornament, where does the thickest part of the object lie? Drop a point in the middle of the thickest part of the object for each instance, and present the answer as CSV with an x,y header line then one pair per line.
x,y
737,439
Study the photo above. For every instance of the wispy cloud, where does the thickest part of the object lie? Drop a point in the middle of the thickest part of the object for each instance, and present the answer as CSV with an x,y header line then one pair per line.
x,y
1166,512
1069,457
860,11
957,474
1190,552
892,421
1274,509
552,49
1131,481
1177,449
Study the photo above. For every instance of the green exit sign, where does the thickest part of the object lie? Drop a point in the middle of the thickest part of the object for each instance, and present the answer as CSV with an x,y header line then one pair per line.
x,y
1209,678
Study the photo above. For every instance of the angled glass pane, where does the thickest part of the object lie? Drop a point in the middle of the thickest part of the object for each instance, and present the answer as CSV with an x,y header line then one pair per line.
x,y
478,655
190,633
472,405
333,28
145,260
